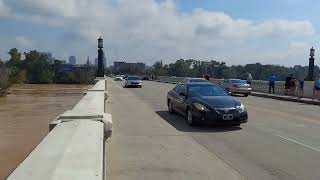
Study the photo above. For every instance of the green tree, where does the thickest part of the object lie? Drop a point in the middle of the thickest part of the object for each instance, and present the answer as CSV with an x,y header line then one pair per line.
x,y
38,68
14,55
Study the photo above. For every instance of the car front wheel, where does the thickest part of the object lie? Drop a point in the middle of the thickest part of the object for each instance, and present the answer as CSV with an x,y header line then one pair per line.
x,y
171,111
190,118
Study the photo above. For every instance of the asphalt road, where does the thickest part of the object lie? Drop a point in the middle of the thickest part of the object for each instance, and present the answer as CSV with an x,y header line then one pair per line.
x,y
280,141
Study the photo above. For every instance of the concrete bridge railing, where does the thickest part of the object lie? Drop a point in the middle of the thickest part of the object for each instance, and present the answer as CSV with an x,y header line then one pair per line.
x,y
75,145
257,85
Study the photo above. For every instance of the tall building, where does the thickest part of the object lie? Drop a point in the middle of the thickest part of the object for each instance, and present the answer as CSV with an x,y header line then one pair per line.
x,y
96,62
72,60
49,57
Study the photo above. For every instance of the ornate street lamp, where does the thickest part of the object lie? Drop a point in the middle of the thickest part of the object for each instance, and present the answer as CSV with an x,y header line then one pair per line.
x,y
310,76
100,43
100,71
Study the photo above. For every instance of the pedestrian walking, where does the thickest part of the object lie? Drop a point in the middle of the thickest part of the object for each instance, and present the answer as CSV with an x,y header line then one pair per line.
x,y
293,83
316,88
301,87
287,84
272,80
249,79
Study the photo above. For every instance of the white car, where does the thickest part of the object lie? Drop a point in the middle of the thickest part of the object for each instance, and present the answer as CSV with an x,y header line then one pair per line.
x,y
118,79
133,81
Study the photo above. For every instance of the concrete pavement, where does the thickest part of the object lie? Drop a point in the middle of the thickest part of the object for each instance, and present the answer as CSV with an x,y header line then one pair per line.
x,y
280,141
144,146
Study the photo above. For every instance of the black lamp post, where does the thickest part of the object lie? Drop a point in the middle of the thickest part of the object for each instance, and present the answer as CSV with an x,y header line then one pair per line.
x,y
310,76
100,71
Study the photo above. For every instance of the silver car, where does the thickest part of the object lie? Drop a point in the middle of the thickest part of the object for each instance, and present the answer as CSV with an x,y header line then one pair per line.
x,y
133,81
197,80
236,86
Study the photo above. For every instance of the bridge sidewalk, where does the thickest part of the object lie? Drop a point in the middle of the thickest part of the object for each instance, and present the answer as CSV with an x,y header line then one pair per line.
x,y
286,98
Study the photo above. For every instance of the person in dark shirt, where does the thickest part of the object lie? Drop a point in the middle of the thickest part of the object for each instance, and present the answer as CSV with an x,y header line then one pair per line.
x,y
206,77
293,83
301,87
287,84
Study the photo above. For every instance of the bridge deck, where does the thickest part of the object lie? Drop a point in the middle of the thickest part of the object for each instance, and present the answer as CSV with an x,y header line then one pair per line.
x,y
280,141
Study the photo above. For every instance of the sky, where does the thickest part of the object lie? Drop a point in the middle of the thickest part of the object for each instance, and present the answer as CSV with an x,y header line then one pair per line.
x,y
234,31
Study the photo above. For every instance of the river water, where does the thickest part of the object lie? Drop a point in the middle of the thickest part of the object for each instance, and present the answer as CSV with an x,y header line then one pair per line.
x,y
24,118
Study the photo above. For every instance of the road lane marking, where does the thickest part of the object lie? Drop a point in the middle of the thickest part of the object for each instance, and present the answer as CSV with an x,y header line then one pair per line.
x,y
296,142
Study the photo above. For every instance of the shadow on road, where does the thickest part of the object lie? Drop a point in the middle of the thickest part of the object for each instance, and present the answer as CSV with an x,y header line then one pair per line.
x,y
237,95
180,124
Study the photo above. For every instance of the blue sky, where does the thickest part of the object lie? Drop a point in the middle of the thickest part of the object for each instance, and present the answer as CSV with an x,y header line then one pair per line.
x,y
258,9
236,31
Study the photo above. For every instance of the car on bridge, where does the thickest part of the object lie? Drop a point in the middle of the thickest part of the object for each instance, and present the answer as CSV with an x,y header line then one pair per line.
x,y
133,81
118,78
206,103
236,86
190,80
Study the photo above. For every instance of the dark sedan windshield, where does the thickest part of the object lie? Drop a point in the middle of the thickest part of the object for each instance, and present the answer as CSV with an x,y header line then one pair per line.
x,y
206,90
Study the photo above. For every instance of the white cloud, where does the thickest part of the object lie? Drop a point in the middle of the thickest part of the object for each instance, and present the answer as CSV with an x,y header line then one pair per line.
x,y
3,9
155,29
23,42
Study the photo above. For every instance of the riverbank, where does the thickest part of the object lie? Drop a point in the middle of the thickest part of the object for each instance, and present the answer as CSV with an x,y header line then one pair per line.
x,y
24,118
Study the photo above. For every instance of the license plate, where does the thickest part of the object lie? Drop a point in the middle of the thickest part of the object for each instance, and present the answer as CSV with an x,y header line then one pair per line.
x,y
227,117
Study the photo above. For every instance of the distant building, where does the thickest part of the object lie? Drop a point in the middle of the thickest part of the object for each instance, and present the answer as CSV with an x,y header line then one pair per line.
x,y
72,60
88,62
96,62
49,57
104,61
123,67
61,66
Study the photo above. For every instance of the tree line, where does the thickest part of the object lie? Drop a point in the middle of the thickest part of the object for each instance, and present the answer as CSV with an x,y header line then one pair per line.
x,y
216,69
35,68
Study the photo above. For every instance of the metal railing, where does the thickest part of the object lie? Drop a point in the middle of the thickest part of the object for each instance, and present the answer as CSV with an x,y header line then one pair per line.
x,y
257,85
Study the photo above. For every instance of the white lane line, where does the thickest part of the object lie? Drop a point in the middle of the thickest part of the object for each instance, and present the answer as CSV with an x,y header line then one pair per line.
x,y
299,143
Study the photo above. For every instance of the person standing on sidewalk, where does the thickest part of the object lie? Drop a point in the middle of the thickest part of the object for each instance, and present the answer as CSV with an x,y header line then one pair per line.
x,y
293,83
287,84
316,88
272,80
301,87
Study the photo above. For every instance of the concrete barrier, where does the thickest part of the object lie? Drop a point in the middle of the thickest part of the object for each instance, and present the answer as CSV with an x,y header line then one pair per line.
x,y
74,148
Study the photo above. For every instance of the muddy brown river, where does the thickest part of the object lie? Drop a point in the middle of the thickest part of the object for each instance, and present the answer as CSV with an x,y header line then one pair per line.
x,y
24,118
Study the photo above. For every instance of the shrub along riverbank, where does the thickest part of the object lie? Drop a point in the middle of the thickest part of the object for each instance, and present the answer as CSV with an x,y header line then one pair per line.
x,y
36,69
4,80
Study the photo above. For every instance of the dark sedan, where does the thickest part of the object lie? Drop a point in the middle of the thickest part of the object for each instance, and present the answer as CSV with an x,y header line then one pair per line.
x,y
206,103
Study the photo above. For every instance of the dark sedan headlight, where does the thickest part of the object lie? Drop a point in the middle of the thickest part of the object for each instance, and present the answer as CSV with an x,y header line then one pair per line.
x,y
241,108
200,107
